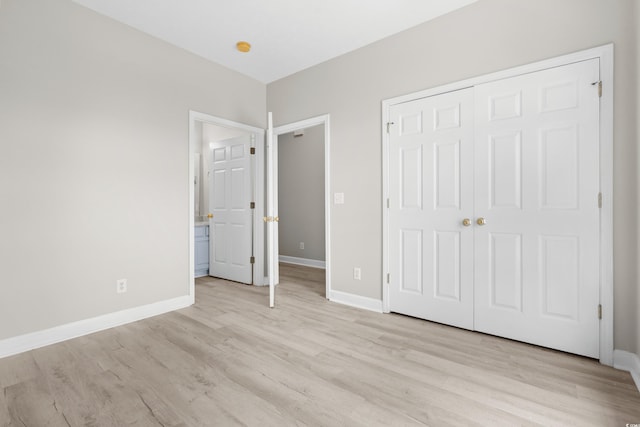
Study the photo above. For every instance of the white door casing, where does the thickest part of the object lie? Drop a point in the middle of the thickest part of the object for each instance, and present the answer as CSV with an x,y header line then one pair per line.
x,y
431,185
229,203
536,185
258,173
537,175
323,120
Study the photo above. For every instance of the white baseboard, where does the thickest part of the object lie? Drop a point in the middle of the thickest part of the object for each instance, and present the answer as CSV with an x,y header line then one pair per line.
x,y
302,261
627,361
31,341
356,301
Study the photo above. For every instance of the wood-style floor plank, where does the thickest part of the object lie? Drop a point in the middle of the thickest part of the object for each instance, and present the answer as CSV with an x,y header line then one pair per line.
x,y
230,360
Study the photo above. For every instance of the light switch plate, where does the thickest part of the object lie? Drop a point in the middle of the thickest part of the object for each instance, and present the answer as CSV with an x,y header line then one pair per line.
x,y
338,198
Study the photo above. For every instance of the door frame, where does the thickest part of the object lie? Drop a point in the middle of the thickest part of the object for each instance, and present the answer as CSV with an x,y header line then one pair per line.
x,y
258,173
605,56
315,121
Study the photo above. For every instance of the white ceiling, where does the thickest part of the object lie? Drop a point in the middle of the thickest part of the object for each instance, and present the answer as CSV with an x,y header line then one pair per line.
x,y
286,35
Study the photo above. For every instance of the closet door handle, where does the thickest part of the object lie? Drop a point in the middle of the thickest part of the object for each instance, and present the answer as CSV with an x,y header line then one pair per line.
x,y
481,221
466,222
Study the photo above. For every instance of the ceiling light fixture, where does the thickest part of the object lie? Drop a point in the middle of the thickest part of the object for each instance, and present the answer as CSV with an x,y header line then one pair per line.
x,y
243,47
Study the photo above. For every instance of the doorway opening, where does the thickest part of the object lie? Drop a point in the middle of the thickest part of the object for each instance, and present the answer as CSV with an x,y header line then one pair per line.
x,y
226,196
301,198
302,187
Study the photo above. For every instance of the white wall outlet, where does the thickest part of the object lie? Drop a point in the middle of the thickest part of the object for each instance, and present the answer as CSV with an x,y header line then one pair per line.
x,y
338,198
357,273
121,286
301,245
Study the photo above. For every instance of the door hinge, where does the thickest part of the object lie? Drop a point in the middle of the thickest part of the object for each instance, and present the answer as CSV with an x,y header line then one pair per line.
x,y
600,200
388,204
252,205
599,311
389,125
252,150
599,83
388,277
252,260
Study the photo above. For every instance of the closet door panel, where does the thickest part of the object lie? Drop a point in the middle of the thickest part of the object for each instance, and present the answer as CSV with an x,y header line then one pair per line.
x,y
431,192
536,186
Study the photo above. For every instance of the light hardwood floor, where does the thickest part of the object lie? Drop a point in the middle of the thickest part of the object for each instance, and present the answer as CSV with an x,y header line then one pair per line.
x,y
230,360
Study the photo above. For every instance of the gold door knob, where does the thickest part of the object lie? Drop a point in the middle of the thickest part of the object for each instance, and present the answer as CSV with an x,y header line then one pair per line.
x,y
466,222
210,216
481,221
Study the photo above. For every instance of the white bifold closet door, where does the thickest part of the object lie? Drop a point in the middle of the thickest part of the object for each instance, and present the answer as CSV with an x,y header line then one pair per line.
x,y
519,159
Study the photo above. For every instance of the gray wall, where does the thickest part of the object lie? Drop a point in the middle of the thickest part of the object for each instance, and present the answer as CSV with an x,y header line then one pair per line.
x,y
301,194
94,149
486,36
94,161
636,72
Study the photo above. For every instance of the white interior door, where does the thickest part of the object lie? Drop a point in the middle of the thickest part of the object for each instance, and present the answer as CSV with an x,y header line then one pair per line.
x,y
272,219
537,184
229,204
431,187
519,158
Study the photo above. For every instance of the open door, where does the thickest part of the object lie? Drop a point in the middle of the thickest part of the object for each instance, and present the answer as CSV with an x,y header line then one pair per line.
x,y
231,216
272,219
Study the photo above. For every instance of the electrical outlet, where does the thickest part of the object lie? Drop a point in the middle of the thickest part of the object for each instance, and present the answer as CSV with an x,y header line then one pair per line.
x,y
301,245
357,273
121,286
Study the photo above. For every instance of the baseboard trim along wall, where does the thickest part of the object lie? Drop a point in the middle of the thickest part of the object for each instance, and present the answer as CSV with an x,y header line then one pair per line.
x,y
627,361
356,301
302,261
34,340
